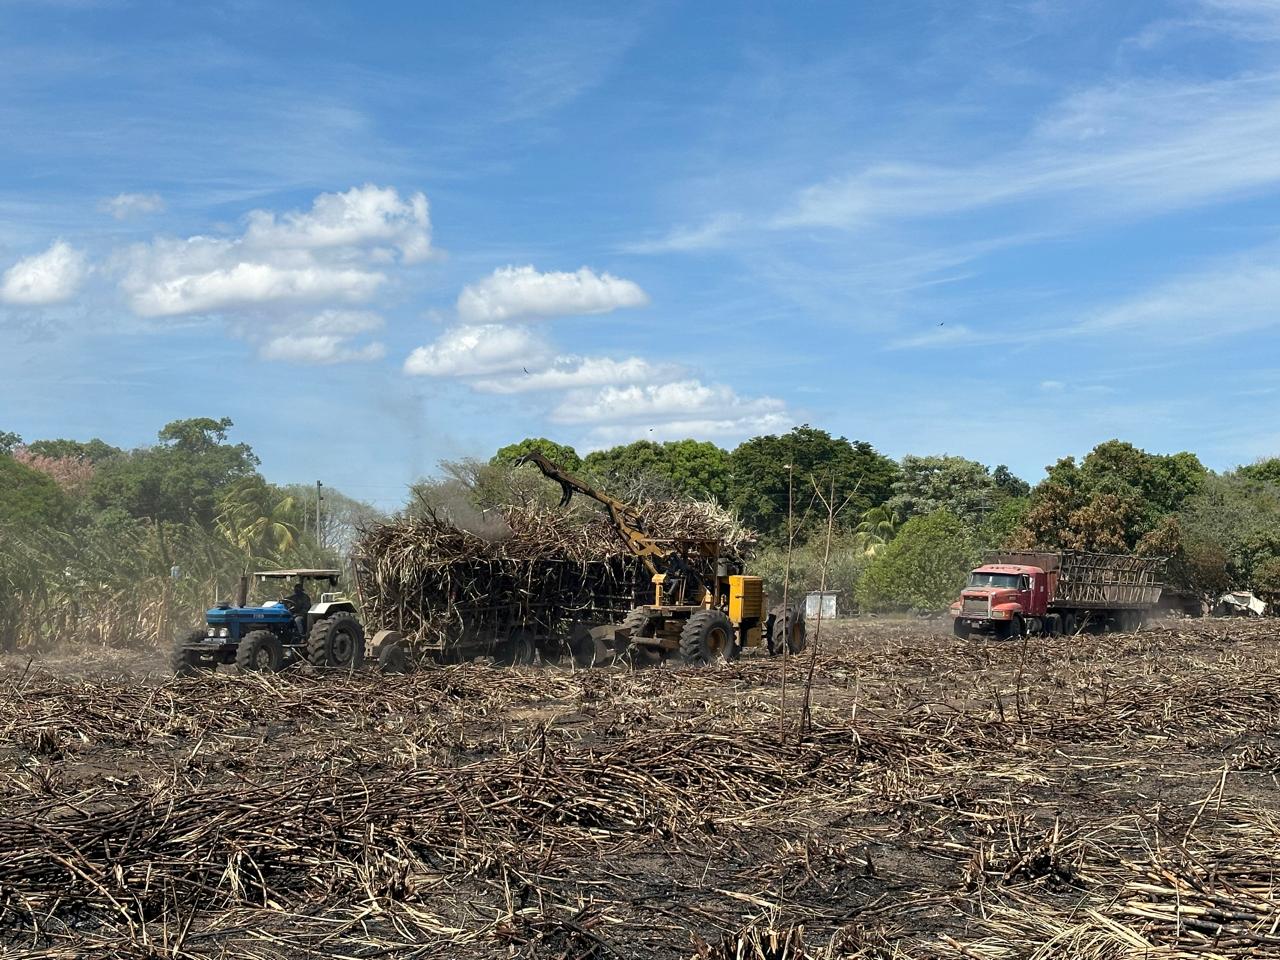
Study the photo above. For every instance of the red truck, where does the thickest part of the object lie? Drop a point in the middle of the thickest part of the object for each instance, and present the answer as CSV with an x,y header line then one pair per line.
x,y
1051,593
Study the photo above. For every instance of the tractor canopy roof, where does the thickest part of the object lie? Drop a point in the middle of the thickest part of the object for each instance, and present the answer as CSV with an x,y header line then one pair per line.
x,y
330,575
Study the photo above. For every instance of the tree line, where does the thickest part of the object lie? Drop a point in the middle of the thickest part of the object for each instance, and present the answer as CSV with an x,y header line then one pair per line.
x,y
110,545
113,544
908,531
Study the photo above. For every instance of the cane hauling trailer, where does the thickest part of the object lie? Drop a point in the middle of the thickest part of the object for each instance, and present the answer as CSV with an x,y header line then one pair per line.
x,y
1048,593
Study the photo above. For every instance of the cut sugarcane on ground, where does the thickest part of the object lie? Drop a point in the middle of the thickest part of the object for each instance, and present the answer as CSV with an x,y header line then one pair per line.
x,y
1100,797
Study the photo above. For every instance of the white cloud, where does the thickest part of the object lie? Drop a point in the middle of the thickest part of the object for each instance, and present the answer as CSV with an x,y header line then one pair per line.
x,y
344,323
126,205
514,292
683,400
361,217
53,276
712,233
564,373
1052,385
338,251
722,428
477,350
248,284
939,336
318,349
1134,147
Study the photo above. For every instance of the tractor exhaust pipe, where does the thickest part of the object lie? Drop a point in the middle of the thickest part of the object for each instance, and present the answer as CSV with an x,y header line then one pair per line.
x,y
242,595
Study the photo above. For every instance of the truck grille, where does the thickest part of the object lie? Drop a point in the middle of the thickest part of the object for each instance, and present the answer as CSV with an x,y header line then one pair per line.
x,y
976,606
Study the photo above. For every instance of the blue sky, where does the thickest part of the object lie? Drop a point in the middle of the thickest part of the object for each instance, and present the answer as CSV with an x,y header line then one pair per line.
x,y
378,235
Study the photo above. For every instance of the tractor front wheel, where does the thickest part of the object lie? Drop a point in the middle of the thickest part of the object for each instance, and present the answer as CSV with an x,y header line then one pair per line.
x,y
182,658
259,652
707,636
336,641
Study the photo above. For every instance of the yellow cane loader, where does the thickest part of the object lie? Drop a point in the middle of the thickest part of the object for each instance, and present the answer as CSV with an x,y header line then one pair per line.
x,y
704,607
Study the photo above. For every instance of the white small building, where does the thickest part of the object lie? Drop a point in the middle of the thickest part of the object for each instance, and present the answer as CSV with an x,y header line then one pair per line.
x,y
821,605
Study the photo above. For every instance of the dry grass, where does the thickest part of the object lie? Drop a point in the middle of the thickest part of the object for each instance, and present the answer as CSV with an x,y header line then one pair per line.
x,y
1098,798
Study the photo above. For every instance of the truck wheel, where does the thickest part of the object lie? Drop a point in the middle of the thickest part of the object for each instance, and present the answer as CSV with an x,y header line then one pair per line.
x,y
259,652
182,659
960,628
1011,629
1052,625
336,641
789,628
706,637
517,650
1069,624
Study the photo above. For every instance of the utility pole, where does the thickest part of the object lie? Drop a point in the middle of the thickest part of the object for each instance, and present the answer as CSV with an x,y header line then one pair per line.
x,y
319,529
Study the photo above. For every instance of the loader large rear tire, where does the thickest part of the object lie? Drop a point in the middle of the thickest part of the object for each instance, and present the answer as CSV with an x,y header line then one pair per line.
x,y
706,637
336,641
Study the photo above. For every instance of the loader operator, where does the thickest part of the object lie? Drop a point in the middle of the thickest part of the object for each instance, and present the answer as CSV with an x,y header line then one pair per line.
x,y
299,603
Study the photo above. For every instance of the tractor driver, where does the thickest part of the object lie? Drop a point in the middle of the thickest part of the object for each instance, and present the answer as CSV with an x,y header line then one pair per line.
x,y
299,604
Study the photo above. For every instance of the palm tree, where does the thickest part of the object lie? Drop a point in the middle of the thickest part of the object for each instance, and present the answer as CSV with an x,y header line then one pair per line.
x,y
256,520
878,527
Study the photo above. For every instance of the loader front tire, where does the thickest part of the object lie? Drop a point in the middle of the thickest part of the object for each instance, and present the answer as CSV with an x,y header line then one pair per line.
x,y
706,637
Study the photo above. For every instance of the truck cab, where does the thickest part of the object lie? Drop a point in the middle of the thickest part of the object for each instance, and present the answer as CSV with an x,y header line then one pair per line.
x,y
1001,598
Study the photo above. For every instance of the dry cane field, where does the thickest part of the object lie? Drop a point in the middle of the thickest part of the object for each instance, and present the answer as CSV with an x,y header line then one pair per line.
x,y
1095,797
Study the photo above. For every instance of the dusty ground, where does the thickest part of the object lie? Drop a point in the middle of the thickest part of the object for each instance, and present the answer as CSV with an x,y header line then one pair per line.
x,y
1099,797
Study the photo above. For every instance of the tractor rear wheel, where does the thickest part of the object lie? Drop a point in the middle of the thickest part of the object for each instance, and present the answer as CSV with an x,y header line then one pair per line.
x,y
259,652
182,658
706,637
788,628
336,641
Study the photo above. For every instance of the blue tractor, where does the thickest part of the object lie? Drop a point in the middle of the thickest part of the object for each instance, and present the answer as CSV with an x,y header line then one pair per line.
x,y
278,633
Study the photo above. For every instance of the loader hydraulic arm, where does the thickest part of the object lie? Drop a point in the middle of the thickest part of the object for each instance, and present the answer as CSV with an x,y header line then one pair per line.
x,y
626,520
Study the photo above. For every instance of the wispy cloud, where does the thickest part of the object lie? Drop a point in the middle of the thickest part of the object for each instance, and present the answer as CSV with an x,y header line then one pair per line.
x,y
1138,147
125,206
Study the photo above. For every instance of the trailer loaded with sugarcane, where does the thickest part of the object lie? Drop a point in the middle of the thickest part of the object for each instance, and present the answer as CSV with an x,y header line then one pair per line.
x,y
1041,592
660,580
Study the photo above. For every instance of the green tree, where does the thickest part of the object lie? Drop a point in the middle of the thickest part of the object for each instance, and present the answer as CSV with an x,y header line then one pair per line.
x,y
924,567
92,451
760,475
877,527
1266,580
1111,500
1263,471
687,468
257,519
178,480
1000,528
964,488
9,440
560,454
29,499
1241,516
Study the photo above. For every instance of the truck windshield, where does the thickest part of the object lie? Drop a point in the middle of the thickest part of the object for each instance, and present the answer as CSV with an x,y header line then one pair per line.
x,y
1008,581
